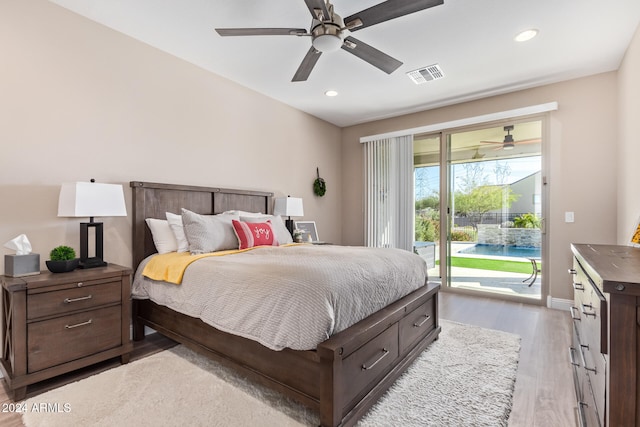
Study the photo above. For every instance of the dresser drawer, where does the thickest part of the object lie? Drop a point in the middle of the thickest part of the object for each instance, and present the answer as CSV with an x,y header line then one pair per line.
x,y
72,299
63,339
589,407
591,309
576,363
417,324
597,381
370,361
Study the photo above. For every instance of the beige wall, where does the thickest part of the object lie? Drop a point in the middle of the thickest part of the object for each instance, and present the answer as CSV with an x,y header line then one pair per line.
x,y
80,101
629,141
581,156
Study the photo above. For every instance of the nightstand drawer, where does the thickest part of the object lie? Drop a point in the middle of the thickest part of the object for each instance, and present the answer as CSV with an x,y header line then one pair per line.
x,y
68,300
55,341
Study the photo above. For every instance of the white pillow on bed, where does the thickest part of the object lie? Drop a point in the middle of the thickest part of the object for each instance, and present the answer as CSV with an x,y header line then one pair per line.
x,y
280,230
209,233
163,237
175,223
244,213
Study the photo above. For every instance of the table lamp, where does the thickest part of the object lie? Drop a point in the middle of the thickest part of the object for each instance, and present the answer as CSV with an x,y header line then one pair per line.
x,y
288,206
90,199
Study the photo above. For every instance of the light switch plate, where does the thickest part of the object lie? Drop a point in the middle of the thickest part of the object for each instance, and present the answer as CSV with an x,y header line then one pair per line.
x,y
568,217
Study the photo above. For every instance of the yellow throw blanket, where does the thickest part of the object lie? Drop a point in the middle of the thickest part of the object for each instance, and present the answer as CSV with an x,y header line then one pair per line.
x,y
170,267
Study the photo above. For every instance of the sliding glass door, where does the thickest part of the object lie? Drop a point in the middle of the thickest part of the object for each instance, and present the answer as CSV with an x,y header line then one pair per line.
x,y
427,185
485,234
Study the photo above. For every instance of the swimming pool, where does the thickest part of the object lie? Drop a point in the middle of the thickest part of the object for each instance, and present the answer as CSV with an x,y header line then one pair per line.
x,y
502,250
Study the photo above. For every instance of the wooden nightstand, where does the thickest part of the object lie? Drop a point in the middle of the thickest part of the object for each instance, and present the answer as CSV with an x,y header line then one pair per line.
x,y
56,323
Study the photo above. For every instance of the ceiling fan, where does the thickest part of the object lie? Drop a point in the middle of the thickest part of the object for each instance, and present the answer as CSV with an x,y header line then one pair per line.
x,y
329,32
509,143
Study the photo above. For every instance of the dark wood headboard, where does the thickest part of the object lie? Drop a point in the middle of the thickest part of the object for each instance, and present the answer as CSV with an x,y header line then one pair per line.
x,y
152,200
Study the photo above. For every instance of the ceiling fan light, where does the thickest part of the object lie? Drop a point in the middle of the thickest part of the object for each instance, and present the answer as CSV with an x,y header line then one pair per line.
x,y
327,43
508,146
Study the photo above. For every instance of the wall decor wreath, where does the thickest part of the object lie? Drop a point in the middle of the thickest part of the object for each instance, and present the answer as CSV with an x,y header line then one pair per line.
x,y
319,185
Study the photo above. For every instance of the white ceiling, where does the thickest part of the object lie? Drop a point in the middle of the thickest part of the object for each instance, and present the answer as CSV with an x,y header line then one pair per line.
x,y
471,40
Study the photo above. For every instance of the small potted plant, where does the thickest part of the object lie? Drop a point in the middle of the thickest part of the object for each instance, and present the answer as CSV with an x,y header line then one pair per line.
x,y
62,259
297,235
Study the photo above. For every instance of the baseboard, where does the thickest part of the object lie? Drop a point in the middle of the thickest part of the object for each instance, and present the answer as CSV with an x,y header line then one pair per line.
x,y
559,303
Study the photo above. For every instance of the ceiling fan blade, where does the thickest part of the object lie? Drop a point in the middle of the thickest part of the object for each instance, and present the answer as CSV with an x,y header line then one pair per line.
x,y
388,10
529,141
371,55
307,65
313,5
516,142
225,32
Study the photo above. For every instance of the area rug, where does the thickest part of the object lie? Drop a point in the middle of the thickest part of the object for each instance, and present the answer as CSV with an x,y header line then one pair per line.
x,y
465,378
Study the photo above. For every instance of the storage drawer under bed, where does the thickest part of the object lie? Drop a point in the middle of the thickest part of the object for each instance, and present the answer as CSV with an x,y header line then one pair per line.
x,y
417,324
370,361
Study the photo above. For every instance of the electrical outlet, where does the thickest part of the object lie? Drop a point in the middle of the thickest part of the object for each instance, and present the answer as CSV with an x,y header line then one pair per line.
x,y
568,217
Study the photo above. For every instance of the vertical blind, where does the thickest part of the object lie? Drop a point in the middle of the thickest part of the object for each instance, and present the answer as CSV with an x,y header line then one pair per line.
x,y
389,205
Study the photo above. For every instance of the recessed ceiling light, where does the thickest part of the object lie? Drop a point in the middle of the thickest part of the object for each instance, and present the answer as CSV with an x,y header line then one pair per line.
x,y
526,35
331,93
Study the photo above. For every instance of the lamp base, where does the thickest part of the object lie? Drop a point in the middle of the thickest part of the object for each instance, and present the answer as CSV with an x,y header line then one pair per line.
x,y
92,263
85,260
289,224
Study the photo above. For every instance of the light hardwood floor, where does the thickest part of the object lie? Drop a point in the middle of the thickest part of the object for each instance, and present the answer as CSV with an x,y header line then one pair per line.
x,y
544,394
544,389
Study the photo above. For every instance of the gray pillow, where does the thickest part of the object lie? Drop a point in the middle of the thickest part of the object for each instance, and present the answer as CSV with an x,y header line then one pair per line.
x,y
279,229
209,233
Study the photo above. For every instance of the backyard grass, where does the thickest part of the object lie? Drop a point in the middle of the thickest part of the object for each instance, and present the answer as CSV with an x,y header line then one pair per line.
x,y
492,264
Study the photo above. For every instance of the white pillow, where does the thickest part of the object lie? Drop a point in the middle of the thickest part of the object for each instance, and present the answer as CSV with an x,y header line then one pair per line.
x,y
163,237
245,213
175,222
209,233
279,229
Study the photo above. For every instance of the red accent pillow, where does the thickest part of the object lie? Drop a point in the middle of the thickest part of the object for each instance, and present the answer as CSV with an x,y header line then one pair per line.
x,y
252,234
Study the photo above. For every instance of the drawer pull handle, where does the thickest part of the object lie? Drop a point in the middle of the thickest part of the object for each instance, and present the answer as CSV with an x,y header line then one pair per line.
x,y
584,363
384,354
572,271
582,419
574,317
572,358
425,320
88,322
578,286
70,300
585,312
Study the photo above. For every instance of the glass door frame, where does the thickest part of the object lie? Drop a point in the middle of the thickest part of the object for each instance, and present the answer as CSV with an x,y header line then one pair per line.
x,y
446,214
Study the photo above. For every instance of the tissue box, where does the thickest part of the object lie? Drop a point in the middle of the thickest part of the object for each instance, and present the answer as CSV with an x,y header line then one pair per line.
x,y
21,265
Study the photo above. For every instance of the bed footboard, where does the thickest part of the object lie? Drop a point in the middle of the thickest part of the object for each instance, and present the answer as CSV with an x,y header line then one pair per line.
x,y
342,379
359,365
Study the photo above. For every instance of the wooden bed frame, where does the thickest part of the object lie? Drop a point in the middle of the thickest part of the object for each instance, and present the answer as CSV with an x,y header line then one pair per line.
x,y
343,377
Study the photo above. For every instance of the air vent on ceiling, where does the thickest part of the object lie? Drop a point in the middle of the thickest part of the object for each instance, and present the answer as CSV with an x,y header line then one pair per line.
x,y
426,74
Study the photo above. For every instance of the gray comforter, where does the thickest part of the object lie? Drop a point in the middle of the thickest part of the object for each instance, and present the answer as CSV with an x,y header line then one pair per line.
x,y
294,296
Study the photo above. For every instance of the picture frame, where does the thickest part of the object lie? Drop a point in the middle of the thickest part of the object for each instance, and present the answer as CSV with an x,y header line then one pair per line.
x,y
309,230
635,235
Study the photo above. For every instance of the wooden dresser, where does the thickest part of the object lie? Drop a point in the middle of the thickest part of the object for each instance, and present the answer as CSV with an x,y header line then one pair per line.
x,y
56,323
606,318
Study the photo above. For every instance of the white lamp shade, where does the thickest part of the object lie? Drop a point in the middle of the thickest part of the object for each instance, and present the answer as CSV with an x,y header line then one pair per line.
x,y
89,199
288,206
